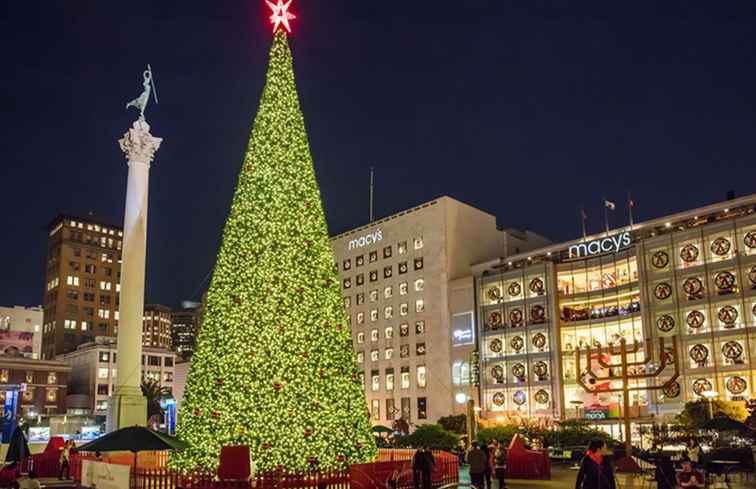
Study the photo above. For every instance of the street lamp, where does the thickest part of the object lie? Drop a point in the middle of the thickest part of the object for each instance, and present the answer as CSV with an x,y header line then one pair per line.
x,y
710,395
577,403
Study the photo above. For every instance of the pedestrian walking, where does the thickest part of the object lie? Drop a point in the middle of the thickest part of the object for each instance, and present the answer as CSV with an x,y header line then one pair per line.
x,y
500,463
477,461
596,471
423,463
65,460
665,474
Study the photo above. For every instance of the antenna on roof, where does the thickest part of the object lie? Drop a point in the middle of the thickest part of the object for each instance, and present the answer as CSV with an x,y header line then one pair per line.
x,y
372,188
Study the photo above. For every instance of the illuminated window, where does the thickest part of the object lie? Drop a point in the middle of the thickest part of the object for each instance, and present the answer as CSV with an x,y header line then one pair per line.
x,y
105,285
375,409
373,315
4,375
373,256
405,377
375,381
388,312
388,333
418,243
403,288
52,395
375,355
374,335
390,379
103,314
421,376
460,373
373,296
402,247
360,357
347,283
360,318
360,260
419,305
29,377
102,373
346,264
360,338
52,378
419,285
403,309
422,408
347,302
28,395
72,280
69,324
389,353
388,292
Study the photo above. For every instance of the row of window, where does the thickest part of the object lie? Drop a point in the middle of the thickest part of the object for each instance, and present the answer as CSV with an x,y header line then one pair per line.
x,y
388,272
388,353
389,378
89,227
102,241
392,411
89,283
387,253
388,312
52,377
388,293
388,333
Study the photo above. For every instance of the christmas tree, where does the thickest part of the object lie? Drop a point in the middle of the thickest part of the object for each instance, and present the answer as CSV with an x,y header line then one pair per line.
x,y
274,368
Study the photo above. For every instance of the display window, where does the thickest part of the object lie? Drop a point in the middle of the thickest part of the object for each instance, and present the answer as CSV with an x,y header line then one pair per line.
x,y
696,321
692,288
720,247
724,281
597,274
728,315
600,336
689,253
736,387
699,385
747,240
699,354
597,308
733,352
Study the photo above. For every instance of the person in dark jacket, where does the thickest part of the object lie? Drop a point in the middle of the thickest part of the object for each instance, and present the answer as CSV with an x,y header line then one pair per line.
x,y
478,462
423,463
665,475
596,471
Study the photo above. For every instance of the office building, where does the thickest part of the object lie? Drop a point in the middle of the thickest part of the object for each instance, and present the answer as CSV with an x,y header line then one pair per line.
x,y
184,328
41,385
21,331
156,329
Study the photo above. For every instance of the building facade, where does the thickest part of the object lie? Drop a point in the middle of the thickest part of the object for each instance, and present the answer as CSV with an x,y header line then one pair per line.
x,y
41,385
82,280
21,331
156,328
184,328
93,372
688,278
409,299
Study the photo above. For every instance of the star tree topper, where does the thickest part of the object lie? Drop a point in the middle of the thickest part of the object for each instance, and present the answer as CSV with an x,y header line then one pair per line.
x,y
281,14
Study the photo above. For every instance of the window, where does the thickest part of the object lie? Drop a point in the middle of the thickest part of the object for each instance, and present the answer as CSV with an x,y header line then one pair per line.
x,y
346,265
360,357
420,349
388,353
419,327
52,378
403,268
4,374
72,280
405,377
403,288
153,361
388,292
76,251
373,256
69,324
422,408
108,272
402,247
388,312
460,373
389,379
387,252
375,380
103,314
373,296
105,285
360,318
374,275
104,300
418,242
360,338
376,408
360,260
419,263
404,351
72,309
88,311
388,333
347,302
28,394
72,294
167,376
419,285
101,406
89,268
373,315
102,373
85,325
374,335
360,298
29,377
168,361
347,283
360,279
387,271
404,329
375,355
89,296
421,376
403,309
390,409
105,356
419,305
90,283
102,389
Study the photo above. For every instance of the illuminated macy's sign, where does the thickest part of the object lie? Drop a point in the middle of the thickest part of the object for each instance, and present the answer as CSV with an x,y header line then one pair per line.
x,y
611,244
366,240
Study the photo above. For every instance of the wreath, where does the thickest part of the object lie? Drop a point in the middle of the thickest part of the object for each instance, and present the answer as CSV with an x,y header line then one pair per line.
x,y
672,390
728,315
537,313
496,345
665,323
752,275
701,385
494,319
689,253
494,294
720,246
732,350
724,280
498,399
517,343
699,353
539,340
693,286
514,289
695,319
736,385
519,398
498,373
542,396
541,368
515,317
662,291
750,239
518,370
660,259
536,286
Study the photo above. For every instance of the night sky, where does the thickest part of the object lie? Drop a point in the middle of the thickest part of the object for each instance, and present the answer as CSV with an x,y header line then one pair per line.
x,y
524,109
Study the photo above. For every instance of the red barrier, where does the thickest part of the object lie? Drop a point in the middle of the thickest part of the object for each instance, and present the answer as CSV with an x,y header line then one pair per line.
x,y
527,464
399,462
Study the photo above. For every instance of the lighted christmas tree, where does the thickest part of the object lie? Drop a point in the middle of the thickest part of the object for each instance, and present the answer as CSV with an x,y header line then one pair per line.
x,y
274,367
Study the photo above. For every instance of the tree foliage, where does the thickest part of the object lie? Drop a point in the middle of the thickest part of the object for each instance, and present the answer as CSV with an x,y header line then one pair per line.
x,y
455,424
433,436
696,413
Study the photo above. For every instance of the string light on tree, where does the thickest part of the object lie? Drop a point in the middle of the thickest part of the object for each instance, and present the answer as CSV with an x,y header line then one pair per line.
x,y
281,14
274,368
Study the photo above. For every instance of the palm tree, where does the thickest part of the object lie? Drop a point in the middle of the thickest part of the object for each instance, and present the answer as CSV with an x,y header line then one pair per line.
x,y
153,391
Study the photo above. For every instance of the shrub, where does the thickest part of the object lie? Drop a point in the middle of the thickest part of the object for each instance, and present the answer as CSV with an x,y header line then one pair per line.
x,y
504,433
433,436
455,424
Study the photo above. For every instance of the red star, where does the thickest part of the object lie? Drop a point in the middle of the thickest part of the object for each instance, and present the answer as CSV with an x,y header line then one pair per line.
x,y
281,14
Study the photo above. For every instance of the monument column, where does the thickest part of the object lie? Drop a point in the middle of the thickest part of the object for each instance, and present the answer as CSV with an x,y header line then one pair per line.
x,y
128,407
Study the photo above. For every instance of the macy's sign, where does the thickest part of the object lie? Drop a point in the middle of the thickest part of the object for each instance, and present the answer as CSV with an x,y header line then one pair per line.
x,y
612,244
366,240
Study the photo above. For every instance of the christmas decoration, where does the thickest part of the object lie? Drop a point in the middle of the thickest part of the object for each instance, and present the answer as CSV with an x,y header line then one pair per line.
x,y
273,289
281,15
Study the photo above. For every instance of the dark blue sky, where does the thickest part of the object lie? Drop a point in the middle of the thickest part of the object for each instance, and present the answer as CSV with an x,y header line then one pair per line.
x,y
525,109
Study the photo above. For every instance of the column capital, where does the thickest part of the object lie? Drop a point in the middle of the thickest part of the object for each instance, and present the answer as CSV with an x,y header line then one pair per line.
x,y
138,144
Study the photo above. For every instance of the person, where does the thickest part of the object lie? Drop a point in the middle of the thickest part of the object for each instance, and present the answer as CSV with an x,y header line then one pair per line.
x,y
689,477
477,461
665,475
500,463
423,463
65,457
29,482
694,452
488,452
596,471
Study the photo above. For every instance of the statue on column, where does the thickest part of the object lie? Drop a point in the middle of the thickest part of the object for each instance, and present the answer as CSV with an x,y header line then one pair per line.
x,y
149,88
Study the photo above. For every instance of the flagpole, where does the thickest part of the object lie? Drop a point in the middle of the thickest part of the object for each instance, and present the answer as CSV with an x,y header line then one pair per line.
x,y
606,215
582,221
630,205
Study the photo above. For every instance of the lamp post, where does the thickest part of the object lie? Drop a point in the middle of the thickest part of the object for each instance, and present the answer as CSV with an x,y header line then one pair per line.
x,y
710,396
577,403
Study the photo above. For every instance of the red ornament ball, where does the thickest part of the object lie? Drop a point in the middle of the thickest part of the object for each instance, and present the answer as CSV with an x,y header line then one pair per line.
x,y
307,432
359,446
237,300
277,386
340,458
312,460
216,415
265,446
300,290
220,381
198,412
322,372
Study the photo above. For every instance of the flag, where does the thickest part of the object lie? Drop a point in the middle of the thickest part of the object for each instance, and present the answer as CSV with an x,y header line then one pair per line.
x,y
610,205
583,218
630,207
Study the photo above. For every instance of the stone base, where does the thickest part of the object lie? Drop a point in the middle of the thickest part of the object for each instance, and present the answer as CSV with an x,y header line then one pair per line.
x,y
126,407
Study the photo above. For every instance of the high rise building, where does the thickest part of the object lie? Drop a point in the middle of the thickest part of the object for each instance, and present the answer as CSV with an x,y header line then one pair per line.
x,y
21,331
156,329
184,329
81,282
409,297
